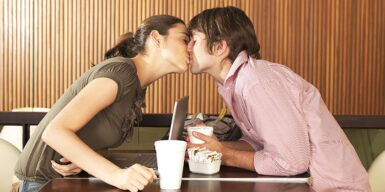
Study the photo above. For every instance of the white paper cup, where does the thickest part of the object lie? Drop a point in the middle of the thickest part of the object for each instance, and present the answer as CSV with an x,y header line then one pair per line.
x,y
204,130
170,156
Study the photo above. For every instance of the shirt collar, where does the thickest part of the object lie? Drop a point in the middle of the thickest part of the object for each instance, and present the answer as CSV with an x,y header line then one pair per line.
x,y
241,59
238,62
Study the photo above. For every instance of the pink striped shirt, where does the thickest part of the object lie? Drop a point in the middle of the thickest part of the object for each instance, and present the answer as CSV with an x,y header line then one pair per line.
x,y
284,118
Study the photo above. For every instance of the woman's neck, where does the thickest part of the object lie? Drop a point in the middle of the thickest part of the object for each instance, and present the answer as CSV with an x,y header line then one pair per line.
x,y
149,69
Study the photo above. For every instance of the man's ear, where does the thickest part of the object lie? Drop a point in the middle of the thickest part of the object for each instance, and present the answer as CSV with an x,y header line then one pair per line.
x,y
155,37
221,48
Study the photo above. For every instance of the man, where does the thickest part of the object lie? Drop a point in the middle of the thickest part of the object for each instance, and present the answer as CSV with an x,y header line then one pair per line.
x,y
287,127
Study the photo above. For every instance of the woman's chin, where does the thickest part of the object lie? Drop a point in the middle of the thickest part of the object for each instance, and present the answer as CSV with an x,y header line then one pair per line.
x,y
184,68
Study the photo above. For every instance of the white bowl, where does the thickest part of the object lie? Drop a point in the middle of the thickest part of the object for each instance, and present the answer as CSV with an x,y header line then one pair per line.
x,y
204,168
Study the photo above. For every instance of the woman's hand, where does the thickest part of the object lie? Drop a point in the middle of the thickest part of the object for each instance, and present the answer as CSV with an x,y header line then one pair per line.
x,y
134,178
66,170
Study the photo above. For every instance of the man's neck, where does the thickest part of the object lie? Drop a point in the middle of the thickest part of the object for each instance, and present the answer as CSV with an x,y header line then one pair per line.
x,y
220,73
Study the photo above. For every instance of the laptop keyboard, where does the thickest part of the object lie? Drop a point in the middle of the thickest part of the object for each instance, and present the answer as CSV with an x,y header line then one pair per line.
x,y
148,160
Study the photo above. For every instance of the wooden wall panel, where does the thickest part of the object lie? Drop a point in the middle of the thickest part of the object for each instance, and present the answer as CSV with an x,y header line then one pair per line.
x,y
338,45
16,29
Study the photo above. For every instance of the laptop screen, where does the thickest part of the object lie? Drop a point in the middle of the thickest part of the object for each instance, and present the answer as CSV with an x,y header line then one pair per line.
x,y
178,118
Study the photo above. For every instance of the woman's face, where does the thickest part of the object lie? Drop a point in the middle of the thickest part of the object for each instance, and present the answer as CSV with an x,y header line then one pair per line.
x,y
174,48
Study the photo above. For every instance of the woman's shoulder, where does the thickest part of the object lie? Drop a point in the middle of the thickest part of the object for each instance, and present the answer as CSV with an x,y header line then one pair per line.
x,y
116,64
121,70
118,67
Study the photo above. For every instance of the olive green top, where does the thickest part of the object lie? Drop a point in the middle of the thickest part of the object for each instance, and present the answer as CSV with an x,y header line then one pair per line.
x,y
108,128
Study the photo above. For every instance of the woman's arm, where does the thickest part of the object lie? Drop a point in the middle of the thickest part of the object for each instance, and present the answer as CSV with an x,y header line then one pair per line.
x,y
60,135
70,168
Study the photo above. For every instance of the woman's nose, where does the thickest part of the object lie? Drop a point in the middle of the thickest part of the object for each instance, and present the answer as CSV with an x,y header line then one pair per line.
x,y
190,46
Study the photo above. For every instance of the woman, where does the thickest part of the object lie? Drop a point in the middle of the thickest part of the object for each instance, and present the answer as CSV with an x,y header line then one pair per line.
x,y
287,128
99,109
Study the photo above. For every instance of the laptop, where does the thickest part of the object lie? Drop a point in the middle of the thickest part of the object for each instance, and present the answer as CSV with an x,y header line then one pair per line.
x,y
178,118
174,133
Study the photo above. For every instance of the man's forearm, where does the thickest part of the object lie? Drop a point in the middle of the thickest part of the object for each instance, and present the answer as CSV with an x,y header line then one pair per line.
x,y
237,158
238,145
235,153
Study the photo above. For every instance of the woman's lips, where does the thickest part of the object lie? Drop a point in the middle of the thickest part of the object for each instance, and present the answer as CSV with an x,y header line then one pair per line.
x,y
188,58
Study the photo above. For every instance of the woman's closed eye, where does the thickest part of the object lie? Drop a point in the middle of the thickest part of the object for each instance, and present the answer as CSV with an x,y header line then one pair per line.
x,y
186,40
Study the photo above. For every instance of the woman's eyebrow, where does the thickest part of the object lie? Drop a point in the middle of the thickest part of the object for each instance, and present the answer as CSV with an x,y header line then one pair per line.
x,y
187,34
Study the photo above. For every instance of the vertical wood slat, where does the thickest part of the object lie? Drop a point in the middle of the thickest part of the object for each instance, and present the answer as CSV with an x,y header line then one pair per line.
x,y
336,45
2,58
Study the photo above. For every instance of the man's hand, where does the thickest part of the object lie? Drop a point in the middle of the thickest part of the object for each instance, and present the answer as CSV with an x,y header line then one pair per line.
x,y
232,156
66,170
211,142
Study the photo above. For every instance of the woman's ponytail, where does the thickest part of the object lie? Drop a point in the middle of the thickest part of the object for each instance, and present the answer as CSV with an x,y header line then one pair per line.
x,y
125,47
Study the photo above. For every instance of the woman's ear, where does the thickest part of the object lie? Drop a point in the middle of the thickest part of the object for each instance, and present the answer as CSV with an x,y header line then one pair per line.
x,y
155,37
221,49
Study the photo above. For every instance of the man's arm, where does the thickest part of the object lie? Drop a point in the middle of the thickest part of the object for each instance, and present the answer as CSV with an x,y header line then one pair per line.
x,y
238,145
235,153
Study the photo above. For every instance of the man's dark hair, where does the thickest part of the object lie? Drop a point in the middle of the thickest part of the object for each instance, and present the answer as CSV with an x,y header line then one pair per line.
x,y
230,24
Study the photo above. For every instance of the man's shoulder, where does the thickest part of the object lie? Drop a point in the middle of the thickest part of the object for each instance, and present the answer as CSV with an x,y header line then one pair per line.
x,y
266,73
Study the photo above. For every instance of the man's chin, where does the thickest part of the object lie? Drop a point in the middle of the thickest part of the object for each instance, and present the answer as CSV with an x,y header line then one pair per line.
x,y
194,71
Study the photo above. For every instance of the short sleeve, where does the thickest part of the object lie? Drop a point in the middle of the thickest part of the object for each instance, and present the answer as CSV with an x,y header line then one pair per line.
x,y
124,74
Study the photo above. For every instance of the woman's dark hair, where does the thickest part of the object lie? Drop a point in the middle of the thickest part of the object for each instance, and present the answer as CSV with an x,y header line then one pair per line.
x,y
130,44
230,24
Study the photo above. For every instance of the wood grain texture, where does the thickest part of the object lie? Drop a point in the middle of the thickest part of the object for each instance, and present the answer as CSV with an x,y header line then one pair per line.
x,y
337,45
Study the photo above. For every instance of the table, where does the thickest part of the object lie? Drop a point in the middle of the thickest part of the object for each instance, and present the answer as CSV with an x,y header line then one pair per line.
x,y
191,181
91,184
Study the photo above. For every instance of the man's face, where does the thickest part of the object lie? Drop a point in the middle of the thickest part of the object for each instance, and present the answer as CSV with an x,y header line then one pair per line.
x,y
201,60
